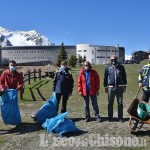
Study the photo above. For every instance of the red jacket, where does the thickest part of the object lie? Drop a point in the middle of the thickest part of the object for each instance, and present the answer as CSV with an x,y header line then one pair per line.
x,y
11,81
94,82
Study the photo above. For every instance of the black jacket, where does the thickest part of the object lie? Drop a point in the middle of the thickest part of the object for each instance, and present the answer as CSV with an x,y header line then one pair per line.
x,y
63,82
115,76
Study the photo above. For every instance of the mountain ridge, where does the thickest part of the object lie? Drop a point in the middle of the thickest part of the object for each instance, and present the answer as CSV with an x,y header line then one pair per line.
x,y
23,38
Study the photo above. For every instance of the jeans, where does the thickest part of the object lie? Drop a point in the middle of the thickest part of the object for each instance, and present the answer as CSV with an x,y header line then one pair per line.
x,y
118,92
65,97
94,104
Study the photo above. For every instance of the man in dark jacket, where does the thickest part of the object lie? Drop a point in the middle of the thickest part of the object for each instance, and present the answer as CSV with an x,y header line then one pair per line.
x,y
115,85
63,85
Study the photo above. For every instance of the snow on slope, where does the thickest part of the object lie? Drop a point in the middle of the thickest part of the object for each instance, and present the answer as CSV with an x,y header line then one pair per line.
x,y
22,38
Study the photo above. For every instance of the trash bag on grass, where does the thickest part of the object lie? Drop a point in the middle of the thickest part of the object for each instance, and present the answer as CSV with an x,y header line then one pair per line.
x,y
60,125
9,107
48,110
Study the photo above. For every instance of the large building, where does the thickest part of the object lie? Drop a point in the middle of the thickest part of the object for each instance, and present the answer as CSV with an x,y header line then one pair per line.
x,y
100,54
31,54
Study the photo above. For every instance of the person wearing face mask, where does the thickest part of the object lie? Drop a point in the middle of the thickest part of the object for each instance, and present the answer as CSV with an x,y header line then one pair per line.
x,y
63,84
10,78
115,81
88,86
143,79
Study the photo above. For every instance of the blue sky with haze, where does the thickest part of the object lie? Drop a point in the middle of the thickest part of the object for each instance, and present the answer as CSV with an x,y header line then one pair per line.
x,y
97,22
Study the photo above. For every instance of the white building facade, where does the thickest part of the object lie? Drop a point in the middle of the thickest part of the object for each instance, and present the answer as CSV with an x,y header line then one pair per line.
x,y
100,54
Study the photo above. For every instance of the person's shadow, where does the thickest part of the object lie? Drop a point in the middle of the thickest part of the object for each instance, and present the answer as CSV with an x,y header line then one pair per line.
x,y
23,128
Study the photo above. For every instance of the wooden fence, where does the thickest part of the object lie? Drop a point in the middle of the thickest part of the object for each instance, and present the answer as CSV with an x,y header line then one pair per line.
x,y
34,75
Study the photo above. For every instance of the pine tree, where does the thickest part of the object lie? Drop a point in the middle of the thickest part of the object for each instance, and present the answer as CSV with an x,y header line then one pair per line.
x,y
84,59
80,60
62,55
72,61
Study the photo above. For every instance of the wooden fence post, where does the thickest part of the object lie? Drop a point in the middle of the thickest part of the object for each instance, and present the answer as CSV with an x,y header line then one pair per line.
x,y
29,77
34,75
39,74
21,91
21,94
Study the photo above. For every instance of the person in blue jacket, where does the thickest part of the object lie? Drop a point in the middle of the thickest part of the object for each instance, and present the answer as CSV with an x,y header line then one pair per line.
x,y
63,84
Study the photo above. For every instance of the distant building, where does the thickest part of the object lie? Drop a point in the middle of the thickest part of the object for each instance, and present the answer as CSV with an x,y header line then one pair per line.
x,y
40,54
32,54
100,54
140,55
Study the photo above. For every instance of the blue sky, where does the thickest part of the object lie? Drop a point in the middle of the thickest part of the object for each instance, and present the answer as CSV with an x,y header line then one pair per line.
x,y
97,22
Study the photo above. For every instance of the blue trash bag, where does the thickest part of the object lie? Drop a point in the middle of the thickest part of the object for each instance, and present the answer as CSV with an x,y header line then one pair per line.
x,y
9,107
48,110
60,125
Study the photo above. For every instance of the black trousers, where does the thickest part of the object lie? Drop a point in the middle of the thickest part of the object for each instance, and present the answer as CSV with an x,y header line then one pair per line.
x,y
64,97
118,92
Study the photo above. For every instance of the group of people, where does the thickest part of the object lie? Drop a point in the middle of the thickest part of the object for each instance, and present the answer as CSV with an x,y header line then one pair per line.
x,y
115,81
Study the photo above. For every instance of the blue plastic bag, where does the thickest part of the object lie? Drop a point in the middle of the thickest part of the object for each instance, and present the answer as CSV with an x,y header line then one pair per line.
x,y
60,125
9,107
48,110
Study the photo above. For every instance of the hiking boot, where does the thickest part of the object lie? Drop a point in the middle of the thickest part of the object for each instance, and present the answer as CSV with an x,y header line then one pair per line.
x,y
87,119
98,118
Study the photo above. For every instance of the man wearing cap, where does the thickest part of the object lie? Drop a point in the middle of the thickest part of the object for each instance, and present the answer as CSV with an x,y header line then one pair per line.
x,y
115,81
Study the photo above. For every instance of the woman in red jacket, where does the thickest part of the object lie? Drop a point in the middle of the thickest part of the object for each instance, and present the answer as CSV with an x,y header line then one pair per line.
x,y
88,86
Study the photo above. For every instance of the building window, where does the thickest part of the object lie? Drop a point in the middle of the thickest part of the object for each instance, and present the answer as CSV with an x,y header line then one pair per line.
x,y
100,56
79,50
92,52
101,50
84,50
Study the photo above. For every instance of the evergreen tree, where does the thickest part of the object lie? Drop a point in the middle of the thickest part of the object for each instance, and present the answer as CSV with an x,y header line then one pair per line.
x,y
84,59
72,61
62,55
80,60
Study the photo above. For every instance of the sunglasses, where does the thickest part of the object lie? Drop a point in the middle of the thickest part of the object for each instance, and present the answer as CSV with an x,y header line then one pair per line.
x,y
86,65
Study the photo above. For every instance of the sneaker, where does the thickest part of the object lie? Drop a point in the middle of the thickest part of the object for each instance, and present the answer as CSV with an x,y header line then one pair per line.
x,y
110,119
98,118
87,119
121,120
34,118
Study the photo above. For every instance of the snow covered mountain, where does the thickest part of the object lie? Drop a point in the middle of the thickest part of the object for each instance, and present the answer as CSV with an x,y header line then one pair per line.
x,y
22,38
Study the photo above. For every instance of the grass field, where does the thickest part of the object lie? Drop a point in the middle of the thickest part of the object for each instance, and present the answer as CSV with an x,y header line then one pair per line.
x,y
30,135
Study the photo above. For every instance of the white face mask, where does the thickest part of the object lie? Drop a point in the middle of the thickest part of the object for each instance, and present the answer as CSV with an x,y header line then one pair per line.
x,y
12,68
86,68
63,67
